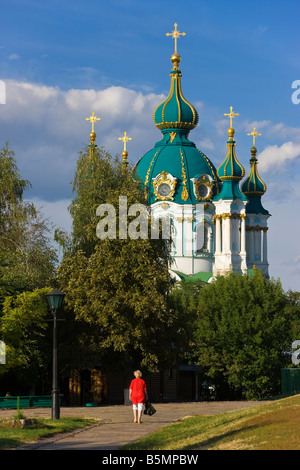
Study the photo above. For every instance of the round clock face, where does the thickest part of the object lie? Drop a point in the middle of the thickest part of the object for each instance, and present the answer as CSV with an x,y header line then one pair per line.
x,y
203,190
164,189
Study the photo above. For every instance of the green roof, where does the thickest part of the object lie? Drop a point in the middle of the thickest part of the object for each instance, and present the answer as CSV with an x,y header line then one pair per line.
x,y
231,169
201,276
178,156
175,111
253,187
175,154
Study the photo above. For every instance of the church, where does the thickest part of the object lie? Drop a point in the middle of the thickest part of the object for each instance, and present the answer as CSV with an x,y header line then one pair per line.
x,y
218,223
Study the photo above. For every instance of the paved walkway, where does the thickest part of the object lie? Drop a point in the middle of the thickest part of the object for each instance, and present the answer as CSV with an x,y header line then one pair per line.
x,y
115,427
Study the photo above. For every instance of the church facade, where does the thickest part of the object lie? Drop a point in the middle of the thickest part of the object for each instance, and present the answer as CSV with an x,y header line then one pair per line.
x,y
217,222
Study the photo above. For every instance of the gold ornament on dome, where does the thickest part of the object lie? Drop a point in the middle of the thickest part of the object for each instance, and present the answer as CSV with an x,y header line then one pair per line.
x,y
231,116
175,35
184,194
164,187
172,136
203,189
254,134
125,139
93,119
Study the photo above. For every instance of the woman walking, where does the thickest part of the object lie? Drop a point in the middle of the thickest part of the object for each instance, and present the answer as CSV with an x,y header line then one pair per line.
x,y
138,396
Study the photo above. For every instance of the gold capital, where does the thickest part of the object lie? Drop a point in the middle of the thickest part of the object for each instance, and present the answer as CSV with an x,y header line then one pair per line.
x,y
175,35
254,134
93,119
125,139
231,116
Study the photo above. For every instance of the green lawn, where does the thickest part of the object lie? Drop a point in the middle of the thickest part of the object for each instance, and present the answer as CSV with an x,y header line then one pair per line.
x,y
274,426
12,435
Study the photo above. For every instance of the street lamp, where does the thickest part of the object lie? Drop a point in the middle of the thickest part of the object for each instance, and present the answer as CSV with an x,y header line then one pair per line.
x,y
55,299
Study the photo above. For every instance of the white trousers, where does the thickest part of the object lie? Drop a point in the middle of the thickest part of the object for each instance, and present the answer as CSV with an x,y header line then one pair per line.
x,y
139,406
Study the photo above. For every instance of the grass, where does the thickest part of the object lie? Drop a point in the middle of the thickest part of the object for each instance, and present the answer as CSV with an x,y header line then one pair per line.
x,y
272,426
12,434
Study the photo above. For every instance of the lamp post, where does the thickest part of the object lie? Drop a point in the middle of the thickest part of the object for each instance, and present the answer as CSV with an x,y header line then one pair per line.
x,y
55,299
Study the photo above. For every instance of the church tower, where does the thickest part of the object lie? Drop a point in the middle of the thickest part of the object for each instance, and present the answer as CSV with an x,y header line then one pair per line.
x,y
257,217
230,213
181,181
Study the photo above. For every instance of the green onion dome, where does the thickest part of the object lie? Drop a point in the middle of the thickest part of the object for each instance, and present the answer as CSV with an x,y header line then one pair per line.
x,y
175,111
253,187
253,184
231,169
175,170
230,173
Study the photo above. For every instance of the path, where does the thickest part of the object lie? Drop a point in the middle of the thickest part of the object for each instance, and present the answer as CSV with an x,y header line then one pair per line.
x,y
116,428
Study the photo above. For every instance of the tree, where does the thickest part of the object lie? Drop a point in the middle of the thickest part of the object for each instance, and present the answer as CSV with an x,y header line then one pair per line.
x,y
27,265
23,328
119,286
97,173
242,333
27,260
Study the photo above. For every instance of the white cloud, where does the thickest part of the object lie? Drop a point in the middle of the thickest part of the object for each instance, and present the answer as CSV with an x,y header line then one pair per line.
x,y
14,57
46,127
274,156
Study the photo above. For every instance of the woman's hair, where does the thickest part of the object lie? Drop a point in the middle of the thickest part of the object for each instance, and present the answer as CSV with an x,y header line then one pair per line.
x,y
137,373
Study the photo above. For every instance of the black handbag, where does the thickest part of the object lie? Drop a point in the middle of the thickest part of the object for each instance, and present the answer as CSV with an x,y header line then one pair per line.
x,y
149,409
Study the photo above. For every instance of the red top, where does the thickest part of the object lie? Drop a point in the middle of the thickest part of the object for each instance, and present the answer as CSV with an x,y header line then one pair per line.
x,y
138,387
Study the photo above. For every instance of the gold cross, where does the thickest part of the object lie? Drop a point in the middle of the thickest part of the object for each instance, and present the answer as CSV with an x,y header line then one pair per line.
x,y
92,119
125,140
231,115
254,133
175,34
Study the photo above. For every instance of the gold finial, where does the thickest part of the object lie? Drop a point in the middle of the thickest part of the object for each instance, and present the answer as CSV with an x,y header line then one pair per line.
x,y
93,119
175,34
254,134
231,116
125,140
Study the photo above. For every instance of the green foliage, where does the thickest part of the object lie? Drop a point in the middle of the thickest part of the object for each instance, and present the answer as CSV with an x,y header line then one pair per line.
x,y
23,328
27,260
242,332
293,310
116,286
267,426
14,434
97,175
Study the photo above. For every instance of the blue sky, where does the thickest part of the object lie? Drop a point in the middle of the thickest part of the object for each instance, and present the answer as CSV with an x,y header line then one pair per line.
x,y
61,60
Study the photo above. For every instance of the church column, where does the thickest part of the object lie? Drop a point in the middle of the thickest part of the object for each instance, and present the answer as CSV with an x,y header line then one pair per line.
x,y
227,234
243,233
218,234
243,253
